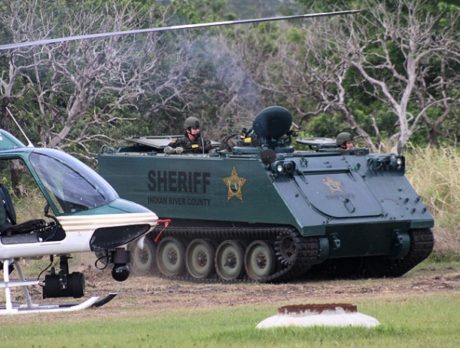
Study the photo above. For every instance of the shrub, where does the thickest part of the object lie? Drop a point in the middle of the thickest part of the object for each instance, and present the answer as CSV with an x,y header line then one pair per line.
x,y
435,175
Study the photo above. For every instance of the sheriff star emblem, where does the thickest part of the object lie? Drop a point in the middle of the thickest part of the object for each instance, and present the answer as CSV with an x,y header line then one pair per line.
x,y
333,185
234,185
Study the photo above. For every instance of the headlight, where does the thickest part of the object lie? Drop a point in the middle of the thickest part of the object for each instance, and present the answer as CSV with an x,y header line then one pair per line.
x,y
400,163
393,161
279,167
283,167
386,163
289,167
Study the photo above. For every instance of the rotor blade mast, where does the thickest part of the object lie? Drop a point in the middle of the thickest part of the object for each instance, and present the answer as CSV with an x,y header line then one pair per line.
x,y
170,28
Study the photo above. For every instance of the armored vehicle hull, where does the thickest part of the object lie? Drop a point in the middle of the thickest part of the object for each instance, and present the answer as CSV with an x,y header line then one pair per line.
x,y
270,213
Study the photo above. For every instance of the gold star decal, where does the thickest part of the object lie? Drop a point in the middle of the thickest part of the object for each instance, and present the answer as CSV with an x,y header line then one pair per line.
x,y
234,185
333,185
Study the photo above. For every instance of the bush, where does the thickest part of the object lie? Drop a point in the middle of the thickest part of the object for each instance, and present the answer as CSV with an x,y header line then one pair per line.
x,y
435,174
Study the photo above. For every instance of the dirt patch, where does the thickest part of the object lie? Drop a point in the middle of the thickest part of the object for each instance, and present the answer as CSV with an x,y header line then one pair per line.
x,y
157,293
317,308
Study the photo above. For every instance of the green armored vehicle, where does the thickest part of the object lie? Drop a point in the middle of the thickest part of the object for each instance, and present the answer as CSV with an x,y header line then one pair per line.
x,y
259,210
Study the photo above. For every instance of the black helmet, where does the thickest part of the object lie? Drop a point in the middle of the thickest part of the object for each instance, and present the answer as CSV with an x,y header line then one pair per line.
x,y
342,138
191,122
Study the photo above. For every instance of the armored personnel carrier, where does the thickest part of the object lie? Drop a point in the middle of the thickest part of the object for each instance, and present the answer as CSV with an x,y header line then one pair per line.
x,y
261,211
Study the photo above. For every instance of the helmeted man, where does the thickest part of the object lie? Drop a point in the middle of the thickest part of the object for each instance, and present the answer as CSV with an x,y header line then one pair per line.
x,y
192,141
344,141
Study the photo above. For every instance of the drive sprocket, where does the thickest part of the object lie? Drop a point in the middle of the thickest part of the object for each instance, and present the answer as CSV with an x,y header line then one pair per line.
x,y
286,248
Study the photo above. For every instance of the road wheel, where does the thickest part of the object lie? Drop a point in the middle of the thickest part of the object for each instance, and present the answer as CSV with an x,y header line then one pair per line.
x,y
171,257
143,260
200,259
229,260
259,260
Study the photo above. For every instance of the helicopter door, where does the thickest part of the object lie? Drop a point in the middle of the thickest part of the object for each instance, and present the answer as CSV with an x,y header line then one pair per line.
x,y
7,209
2,214
8,222
21,214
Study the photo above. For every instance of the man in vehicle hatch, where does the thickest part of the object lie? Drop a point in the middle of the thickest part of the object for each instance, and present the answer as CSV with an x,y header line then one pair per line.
x,y
192,141
344,141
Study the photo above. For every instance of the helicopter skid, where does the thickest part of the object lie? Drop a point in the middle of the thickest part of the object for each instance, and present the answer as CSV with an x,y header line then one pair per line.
x,y
92,302
29,307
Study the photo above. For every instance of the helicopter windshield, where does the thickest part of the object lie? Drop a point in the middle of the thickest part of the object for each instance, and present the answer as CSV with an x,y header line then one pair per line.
x,y
72,185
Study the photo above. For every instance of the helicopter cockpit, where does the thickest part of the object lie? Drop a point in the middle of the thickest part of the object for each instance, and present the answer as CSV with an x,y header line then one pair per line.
x,y
71,188
70,185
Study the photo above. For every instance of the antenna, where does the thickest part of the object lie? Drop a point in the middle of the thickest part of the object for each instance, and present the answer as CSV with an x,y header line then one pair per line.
x,y
174,27
29,143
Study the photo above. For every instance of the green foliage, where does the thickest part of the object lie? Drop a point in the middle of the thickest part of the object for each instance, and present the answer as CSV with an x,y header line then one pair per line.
x,y
295,36
190,11
257,8
325,125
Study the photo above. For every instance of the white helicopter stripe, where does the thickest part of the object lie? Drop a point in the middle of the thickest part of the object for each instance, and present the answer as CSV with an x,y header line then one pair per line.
x,y
79,229
84,223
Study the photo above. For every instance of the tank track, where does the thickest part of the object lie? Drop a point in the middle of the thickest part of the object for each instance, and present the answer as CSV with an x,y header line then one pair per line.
x,y
422,243
305,250
421,246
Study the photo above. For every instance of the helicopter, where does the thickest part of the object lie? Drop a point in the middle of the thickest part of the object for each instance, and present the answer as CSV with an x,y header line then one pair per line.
x,y
82,213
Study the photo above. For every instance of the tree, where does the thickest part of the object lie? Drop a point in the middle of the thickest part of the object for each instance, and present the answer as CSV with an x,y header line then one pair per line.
x,y
396,52
81,89
85,91
399,56
389,72
309,74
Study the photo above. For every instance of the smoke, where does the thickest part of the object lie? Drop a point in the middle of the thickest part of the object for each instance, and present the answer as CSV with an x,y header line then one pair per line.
x,y
262,8
237,95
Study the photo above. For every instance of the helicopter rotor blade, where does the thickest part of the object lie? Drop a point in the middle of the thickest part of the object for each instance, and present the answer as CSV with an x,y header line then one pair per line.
x,y
170,28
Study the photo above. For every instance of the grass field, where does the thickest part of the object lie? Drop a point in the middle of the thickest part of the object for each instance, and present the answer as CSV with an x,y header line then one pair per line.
x,y
422,321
